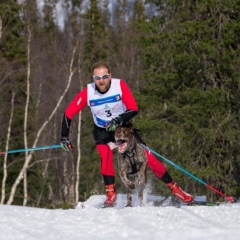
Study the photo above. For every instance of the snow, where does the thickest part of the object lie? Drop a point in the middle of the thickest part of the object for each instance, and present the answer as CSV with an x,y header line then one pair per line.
x,y
90,221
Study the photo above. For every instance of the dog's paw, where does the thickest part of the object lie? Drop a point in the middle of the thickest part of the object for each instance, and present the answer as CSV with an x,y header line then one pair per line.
x,y
132,186
129,205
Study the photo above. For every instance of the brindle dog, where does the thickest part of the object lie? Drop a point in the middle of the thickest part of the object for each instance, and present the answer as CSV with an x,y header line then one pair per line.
x,y
132,161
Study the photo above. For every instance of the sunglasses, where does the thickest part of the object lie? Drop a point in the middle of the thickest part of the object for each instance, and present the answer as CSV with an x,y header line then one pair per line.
x,y
103,77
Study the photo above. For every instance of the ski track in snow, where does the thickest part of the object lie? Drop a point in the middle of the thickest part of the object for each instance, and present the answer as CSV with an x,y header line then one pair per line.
x,y
204,219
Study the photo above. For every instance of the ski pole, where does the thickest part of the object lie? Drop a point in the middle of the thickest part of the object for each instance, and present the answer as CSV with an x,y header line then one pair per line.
x,y
31,149
230,199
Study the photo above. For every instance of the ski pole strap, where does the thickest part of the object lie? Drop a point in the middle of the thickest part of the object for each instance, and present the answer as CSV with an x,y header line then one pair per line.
x,y
31,149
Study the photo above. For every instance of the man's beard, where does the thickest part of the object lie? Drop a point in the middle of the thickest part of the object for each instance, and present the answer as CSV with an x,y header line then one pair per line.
x,y
106,88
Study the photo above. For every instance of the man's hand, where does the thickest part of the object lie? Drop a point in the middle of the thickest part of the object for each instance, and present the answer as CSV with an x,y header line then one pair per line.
x,y
66,144
111,126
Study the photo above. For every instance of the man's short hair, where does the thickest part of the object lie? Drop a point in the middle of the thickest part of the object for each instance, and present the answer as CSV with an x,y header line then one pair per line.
x,y
100,65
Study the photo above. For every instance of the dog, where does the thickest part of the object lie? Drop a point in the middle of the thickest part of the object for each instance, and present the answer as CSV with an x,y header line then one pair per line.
x,y
132,161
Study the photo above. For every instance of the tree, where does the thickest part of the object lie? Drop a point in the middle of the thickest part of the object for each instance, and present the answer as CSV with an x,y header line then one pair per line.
x,y
12,90
187,57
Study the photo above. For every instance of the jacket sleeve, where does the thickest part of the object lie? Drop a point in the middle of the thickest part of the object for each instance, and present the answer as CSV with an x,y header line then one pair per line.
x,y
66,122
78,103
129,101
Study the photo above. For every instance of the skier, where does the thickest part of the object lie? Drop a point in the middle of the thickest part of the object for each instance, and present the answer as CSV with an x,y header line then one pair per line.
x,y
111,103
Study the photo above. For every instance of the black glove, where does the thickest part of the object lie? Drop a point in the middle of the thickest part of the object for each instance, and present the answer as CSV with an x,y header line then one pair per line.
x,y
66,144
111,126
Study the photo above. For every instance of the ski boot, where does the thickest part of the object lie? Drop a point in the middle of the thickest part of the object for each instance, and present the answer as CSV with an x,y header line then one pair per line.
x,y
111,196
179,193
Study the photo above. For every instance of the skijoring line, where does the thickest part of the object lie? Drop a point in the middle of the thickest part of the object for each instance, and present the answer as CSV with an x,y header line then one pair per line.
x,y
31,149
230,199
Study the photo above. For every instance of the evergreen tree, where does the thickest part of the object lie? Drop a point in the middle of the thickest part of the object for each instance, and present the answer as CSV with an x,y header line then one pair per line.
x,y
13,74
191,60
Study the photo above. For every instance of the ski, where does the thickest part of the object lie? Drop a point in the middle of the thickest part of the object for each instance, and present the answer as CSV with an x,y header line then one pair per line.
x,y
108,206
203,203
82,206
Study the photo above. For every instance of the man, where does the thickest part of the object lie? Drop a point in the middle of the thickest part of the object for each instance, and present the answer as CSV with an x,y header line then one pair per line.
x,y
111,103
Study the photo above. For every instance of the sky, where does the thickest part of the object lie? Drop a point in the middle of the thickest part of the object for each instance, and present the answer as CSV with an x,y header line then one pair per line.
x,y
89,221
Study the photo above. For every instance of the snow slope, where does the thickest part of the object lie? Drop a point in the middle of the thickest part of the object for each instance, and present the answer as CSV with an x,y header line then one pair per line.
x,y
89,221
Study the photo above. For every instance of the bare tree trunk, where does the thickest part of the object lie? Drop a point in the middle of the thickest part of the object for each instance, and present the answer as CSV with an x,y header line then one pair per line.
x,y
65,178
6,147
26,114
45,174
25,188
78,142
0,28
29,156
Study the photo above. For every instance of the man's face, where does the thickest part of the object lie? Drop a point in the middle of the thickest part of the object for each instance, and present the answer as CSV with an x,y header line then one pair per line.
x,y
104,77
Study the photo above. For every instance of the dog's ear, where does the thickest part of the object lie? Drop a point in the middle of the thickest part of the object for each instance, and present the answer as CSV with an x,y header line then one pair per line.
x,y
127,124
131,127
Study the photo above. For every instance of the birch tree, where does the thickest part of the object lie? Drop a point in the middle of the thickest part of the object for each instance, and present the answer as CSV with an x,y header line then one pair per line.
x,y
6,148
0,28
26,113
78,138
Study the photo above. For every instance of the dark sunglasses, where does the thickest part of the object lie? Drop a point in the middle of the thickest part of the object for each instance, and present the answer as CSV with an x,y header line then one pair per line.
x,y
103,77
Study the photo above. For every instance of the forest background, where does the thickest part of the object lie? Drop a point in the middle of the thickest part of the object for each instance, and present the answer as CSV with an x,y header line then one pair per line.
x,y
181,59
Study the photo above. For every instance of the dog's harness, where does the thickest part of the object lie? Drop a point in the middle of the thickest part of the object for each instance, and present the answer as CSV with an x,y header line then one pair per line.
x,y
132,160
